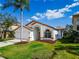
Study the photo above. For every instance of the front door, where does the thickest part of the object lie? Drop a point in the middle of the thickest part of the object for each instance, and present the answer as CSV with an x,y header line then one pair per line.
x,y
37,33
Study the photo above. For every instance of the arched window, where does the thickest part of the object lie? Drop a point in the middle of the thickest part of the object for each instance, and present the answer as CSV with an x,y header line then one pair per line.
x,y
47,34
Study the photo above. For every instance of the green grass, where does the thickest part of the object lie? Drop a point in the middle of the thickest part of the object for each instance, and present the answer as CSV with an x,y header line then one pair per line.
x,y
63,54
27,51
40,50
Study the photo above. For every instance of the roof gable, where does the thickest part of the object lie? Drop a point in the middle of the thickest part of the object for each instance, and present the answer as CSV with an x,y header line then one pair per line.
x,y
34,22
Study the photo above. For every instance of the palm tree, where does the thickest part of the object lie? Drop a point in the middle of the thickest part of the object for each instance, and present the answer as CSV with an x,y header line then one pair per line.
x,y
18,4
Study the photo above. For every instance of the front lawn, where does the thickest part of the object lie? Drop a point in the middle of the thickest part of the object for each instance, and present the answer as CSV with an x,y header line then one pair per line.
x,y
27,51
40,50
63,54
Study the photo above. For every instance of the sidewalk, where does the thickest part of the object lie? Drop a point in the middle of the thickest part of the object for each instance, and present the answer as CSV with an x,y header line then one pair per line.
x,y
9,42
2,58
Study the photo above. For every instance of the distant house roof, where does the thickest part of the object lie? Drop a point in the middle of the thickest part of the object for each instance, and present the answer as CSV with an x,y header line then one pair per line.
x,y
60,28
18,26
76,14
34,22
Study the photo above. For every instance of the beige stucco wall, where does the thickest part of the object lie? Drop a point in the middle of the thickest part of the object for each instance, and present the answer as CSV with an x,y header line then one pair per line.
x,y
30,34
43,29
32,38
74,22
24,35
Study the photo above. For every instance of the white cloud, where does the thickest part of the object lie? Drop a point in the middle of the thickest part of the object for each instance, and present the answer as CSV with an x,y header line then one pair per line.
x,y
40,15
28,20
53,14
37,16
64,10
72,5
34,18
70,16
76,12
58,13
76,0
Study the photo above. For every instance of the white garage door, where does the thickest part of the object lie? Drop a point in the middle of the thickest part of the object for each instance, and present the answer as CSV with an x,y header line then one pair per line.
x,y
25,33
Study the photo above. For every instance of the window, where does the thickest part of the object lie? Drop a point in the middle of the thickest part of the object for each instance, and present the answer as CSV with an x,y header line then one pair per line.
x,y
78,24
77,27
47,34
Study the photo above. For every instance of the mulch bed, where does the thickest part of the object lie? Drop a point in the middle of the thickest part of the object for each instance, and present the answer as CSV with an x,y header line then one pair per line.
x,y
22,42
47,41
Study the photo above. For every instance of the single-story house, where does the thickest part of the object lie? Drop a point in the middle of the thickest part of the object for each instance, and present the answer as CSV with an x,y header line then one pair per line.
x,y
35,30
60,31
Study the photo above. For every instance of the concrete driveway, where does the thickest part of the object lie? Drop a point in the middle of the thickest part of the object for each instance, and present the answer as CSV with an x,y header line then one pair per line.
x,y
9,42
2,58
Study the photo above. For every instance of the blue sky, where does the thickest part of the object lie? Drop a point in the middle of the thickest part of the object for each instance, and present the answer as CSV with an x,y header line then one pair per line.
x,y
51,12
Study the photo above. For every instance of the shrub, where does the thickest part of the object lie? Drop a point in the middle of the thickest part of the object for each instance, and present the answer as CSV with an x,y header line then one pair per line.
x,y
1,39
11,34
70,37
5,39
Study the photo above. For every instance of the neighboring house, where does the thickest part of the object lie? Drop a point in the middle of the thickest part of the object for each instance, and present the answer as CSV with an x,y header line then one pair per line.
x,y
36,31
60,31
75,22
0,29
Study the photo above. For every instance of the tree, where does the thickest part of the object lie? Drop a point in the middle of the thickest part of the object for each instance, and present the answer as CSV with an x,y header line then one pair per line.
x,y
70,36
9,21
68,30
18,4
6,22
1,28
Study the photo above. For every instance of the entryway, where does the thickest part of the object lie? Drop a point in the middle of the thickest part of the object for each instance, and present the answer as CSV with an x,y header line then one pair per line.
x,y
37,33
